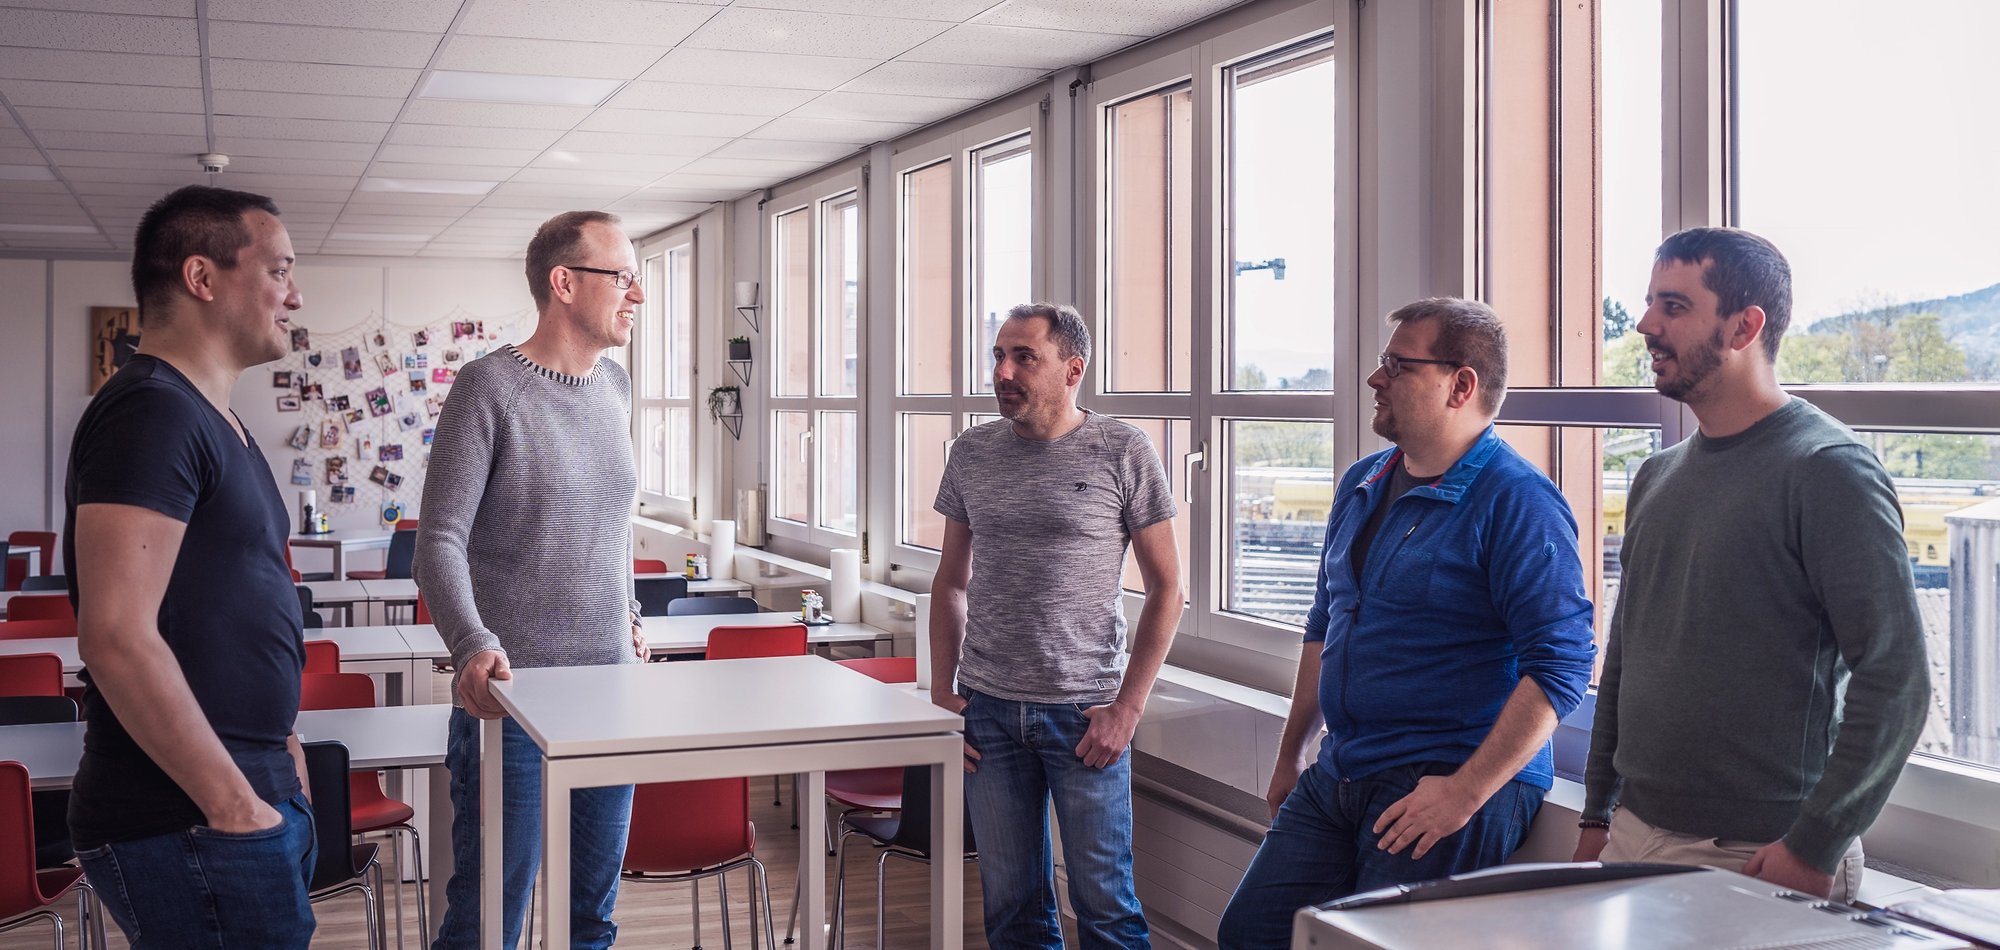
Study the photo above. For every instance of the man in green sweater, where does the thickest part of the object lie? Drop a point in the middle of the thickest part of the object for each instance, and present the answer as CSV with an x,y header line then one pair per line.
x,y
1764,567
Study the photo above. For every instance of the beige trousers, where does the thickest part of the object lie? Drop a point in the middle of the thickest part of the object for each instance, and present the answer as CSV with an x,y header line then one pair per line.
x,y
1633,840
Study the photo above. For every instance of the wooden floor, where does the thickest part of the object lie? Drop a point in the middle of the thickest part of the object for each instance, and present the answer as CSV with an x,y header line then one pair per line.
x,y
658,915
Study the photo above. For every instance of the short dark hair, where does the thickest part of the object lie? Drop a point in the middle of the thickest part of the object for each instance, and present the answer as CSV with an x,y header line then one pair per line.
x,y
1469,334
556,244
1066,326
193,221
1742,270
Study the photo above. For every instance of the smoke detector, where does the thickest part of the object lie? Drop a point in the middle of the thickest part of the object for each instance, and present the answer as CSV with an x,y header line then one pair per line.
x,y
212,162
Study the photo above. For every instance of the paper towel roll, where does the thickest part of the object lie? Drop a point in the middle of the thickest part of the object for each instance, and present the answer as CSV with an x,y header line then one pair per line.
x,y
722,550
923,641
844,588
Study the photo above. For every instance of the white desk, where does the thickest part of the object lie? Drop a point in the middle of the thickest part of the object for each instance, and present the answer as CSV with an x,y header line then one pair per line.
x,y
689,634
32,552
658,722
345,595
341,542
381,650
698,588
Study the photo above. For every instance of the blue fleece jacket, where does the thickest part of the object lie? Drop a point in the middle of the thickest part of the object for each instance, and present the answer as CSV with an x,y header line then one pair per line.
x,y
1472,583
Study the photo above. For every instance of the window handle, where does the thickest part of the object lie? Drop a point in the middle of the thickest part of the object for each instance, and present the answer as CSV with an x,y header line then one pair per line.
x,y
947,444
1189,462
805,447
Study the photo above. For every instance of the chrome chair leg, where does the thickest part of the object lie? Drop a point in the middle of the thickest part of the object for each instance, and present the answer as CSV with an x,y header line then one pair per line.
x,y
722,887
763,880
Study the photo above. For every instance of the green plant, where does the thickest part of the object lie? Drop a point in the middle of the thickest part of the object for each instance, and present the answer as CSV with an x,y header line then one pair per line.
x,y
725,401
739,339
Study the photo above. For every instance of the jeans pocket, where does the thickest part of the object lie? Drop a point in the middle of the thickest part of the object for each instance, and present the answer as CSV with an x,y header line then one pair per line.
x,y
261,834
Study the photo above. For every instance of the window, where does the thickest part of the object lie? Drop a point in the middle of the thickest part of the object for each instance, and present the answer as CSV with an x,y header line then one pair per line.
x,y
922,445
1002,243
663,377
1149,238
926,275
1281,482
1173,439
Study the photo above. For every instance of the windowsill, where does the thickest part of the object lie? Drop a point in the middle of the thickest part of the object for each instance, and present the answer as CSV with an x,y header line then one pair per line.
x,y
777,570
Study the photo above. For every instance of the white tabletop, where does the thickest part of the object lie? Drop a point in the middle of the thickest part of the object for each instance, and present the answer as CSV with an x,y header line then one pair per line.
x,y
393,588
657,707
378,737
424,641
711,586
64,647
357,644
690,632
326,593
362,538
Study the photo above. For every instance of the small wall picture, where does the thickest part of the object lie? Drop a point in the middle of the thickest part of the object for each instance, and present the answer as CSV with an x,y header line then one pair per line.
x,y
329,434
462,330
281,379
380,475
433,405
315,358
114,338
301,340
444,376
364,448
379,341
352,417
337,404
453,355
301,437
429,434
311,391
417,360
421,338
378,402
418,383
386,365
408,421
288,403
394,481
350,362
392,452
302,472
336,470
342,494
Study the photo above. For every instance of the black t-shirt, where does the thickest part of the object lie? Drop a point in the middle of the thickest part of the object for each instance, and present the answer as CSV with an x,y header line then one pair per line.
x,y
1400,483
230,614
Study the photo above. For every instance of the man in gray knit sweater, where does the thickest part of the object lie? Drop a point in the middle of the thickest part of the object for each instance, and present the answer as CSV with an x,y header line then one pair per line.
x,y
524,558
1764,565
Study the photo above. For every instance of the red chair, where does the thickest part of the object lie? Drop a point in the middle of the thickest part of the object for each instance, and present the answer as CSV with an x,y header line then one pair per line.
x,y
870,790
25,893
17,571
423,610
370,810
41,607
36,629
686,831
646,565
736,643
31,674
323,656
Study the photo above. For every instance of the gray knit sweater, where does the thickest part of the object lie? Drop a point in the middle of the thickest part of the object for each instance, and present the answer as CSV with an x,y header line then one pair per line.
x,y
526,539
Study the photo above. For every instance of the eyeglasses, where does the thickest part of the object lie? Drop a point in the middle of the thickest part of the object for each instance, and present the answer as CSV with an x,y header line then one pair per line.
x,y
1393,364
621,279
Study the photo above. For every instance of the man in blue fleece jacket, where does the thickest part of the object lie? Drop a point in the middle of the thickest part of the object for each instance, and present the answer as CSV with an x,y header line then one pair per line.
x,y
1449,634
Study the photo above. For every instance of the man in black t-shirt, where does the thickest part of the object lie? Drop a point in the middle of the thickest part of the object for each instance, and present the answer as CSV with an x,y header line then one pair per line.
x,y
188,810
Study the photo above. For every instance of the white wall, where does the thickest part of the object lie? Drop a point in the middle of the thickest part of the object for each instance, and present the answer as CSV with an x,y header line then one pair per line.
x,y
24,337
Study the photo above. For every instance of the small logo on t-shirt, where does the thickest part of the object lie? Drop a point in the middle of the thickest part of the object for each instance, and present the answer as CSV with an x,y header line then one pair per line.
x,y
1081,486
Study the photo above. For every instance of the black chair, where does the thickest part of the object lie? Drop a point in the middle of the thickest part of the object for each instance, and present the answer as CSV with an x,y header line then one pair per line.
x,y
703,606
52,847
45,582
312,618
402,555
905,835
657,593
342,866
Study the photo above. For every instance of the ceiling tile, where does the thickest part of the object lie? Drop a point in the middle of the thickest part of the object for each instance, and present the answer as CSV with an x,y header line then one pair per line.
x,y
290,148
785,149
627,179
475,137
585,162
446,171
376,199
303,106
134,189
770,170
14,138
1148,18
670,123
500,115
312,78
314,130
20,155
736,183
105,33
428,16
783,31
257,181
848,131
41,120
499,54
632,143
296,166
744,68
952,10
181,8
83,95
987,45
160,175
644,206
458,155
954,80
69,158
874,107
118,142
590,21
313,44
78,66
567,191
691,194
727,100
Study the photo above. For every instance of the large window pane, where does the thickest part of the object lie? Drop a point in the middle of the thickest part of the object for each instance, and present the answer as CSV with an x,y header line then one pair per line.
x,y
678,302
1895,259
652,335
1002,233
1631,180
791,306
678,446
1281,481
839,294
791,466
1149,259
922,451
927,309
652,449
838,458
1171,438
1280,272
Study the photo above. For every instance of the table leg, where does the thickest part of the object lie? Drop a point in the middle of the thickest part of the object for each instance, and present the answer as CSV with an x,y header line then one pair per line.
x,y
947,869
491,810
339,562
555,854
437,828
809,792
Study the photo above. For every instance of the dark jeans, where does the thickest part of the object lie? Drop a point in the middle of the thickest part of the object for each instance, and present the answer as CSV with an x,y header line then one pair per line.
x,y
1322,846
206,888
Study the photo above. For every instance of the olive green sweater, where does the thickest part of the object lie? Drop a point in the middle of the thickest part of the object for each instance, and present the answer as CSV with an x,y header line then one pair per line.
x,y
1763,572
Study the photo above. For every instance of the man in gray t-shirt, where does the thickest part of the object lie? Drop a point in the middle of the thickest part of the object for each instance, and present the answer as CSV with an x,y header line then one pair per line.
x,y
1043,504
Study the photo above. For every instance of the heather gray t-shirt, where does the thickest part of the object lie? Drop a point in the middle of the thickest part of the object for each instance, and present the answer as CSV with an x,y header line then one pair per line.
x,y
1050,523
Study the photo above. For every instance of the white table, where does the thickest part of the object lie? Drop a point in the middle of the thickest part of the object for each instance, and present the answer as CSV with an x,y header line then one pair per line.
x,y
698,588
341,542
658,722
345,595
383,650
689,633
30,551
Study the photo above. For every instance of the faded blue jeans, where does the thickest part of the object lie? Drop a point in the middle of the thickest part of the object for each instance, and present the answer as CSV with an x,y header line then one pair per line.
x,y
599,818
1322,846
207,888
1027,756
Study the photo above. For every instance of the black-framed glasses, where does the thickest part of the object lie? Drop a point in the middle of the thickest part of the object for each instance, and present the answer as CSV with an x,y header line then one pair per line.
x,y
1393,364
621,279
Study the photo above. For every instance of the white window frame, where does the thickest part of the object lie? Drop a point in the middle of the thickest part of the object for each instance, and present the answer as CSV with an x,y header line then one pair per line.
x,y
676,508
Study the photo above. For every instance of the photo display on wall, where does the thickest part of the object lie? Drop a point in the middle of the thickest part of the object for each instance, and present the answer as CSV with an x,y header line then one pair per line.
x,y
366,399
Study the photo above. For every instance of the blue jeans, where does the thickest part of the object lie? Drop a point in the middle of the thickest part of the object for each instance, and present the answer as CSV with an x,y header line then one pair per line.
x,y
206,888
599,818
1322,846
1027,755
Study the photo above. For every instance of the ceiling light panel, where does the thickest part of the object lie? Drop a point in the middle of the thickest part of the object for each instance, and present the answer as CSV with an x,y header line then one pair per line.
x,y
989,45
591,21
727,100
452,155
513,87
499,54
625,180
313,44
427,186
441,170
784,31
48,29
744,68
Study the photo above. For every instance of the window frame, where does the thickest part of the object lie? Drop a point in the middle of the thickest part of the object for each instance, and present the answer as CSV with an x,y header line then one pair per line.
x,y
677,508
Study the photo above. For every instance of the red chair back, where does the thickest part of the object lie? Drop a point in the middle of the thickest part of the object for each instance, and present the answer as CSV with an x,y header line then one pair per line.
x,y
336,691
681,826
41,607
407,524
646,565
323,656
736,643
22,888
296,576
888,669
36,629
31,674
423,609
17,570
